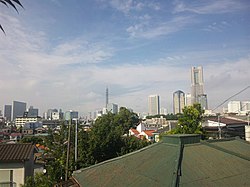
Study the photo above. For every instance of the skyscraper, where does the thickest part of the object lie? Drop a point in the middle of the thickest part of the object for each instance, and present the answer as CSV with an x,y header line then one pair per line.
x,y
18,109
153,105
202,99
7,112
196,83
178,101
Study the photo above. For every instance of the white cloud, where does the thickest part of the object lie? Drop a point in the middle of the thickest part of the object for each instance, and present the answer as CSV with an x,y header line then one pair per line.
x,y
209,7
152,30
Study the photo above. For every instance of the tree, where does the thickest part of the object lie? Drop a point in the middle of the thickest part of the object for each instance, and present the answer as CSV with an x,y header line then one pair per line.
x,y
126,119
11,3
39,180
190,121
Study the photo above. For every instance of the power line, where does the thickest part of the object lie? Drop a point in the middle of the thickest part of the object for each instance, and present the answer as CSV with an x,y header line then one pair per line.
x,y
231,97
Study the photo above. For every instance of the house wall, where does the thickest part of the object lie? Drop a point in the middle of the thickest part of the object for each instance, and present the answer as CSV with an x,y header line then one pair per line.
x,y
18,172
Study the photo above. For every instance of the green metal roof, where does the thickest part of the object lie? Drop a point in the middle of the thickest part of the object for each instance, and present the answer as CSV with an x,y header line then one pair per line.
x,y
175,162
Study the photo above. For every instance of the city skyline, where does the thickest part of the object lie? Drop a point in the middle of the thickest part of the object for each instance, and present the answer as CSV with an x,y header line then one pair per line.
x,y
63,54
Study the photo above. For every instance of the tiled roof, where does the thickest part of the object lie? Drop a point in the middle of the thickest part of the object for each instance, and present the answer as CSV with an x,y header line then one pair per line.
x,y
135,131
149,132
228,121
15,152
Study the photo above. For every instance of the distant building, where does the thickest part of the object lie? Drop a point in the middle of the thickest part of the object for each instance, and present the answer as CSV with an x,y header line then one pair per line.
x,y
153,105
7,112
113,108
188,99
32,112
202,99
234,106
18,109
196,83
178,101
164,111
239,107
49,113
71,115
21,120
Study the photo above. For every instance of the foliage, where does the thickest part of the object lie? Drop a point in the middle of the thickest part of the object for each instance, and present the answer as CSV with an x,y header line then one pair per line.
x,y
12,4
31,139
106,140
39,180
190,121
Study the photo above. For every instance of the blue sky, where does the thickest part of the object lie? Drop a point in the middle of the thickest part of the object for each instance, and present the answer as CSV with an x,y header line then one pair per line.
x,y
63,54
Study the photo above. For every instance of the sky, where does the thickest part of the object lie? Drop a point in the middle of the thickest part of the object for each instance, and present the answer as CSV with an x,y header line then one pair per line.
x,y
64,53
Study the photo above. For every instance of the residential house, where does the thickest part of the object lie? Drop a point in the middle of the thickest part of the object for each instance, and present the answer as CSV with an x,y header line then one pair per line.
x,y
217,127
147,134
16,163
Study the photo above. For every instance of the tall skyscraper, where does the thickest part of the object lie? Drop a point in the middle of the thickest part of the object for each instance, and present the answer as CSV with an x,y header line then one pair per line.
x,y
196,83
178,101
153,105
18,109
7,112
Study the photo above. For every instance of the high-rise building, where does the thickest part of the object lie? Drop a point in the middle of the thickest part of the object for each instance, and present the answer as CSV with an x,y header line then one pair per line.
x,y
18,109
153,105
70,115
113,108
178,101
188,98
202,99
7,112
196,83
32,112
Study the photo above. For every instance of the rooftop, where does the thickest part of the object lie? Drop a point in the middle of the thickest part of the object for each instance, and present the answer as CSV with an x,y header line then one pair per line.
x,y
176,160
16,152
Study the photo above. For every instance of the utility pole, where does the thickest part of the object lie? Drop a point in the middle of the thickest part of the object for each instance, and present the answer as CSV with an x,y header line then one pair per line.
x,y
219,128
76,146
68,149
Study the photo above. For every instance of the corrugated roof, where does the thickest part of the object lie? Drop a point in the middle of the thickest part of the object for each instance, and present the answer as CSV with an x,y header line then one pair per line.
x,y
15,152
213,163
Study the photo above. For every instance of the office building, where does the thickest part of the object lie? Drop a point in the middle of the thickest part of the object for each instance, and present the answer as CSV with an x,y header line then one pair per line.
x,y
202,99
188,99
71,115
113,108
32,112
178,101
154,105
197,83
234,106
7,112
18,109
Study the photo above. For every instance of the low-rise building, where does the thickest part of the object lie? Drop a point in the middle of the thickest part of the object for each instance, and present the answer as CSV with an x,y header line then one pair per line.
x,y
16,163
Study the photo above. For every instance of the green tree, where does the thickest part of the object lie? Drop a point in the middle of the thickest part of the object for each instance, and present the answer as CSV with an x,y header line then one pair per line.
x,y
190,120
39,180
12,4
126,119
